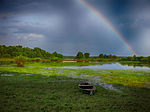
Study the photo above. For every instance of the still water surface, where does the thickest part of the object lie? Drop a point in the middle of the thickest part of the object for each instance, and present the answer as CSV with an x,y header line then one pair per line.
x,y
104,66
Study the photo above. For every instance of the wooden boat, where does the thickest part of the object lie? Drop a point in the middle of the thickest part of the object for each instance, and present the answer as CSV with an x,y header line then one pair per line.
x,y
88,88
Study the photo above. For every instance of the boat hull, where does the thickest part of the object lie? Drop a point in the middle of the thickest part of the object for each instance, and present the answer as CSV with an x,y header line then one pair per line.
x,y
87,88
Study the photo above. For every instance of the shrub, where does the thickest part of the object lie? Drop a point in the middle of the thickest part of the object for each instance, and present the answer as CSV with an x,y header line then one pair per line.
x,y
20,61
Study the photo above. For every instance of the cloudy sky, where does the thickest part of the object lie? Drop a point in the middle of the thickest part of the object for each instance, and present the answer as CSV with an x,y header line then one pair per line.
x,y
69,26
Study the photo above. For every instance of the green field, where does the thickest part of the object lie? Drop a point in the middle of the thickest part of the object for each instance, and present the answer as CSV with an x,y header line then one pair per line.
x,y
33,88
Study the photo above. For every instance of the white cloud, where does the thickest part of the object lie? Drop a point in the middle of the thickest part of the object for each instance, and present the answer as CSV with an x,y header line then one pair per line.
x,y
31,36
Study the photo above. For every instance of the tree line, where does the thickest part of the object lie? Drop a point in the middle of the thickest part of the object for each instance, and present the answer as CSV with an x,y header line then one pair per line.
x,y
81,55
101,57
36,52
136,58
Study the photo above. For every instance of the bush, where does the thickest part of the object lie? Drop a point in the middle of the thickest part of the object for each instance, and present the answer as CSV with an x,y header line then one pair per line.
x,y
21,60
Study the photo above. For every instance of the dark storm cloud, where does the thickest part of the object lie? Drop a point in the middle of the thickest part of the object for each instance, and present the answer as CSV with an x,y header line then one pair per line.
x,y
68,26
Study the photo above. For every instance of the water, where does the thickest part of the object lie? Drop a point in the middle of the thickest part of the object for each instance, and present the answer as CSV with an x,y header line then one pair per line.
x,y
96,80
104,66
6,74
69,61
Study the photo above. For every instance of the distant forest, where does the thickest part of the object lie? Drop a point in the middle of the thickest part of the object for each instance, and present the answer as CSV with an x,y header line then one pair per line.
x,y
110,57
14,51
36,52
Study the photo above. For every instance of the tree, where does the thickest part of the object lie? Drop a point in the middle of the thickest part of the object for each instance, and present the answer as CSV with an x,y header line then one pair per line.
x,y
110,56
129,58
60,56
105,56
123,59
55,54
134,57
86,55
79,55
101,56
14,51
114,57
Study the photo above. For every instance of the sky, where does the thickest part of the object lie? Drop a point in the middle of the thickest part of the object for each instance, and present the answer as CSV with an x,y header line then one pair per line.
x,y
70,26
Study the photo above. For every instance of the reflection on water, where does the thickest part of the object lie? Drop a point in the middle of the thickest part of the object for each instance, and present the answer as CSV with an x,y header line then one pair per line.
x,y
69,61
105,66
8,74
135,64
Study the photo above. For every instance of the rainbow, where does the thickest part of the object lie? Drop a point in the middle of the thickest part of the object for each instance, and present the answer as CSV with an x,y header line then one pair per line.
x,y
107,23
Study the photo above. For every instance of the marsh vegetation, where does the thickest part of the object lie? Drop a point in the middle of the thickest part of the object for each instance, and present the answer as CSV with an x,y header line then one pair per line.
x,y
50,83
55,92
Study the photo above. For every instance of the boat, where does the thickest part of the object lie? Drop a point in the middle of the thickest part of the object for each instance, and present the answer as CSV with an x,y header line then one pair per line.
x,y
87,88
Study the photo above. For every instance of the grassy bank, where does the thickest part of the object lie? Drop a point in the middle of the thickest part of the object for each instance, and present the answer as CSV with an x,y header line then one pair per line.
x,y
57,93
139,78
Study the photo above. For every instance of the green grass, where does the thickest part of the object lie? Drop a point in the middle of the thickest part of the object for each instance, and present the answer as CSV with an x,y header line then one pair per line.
x,y
139,78
57,64
60,94
52,90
